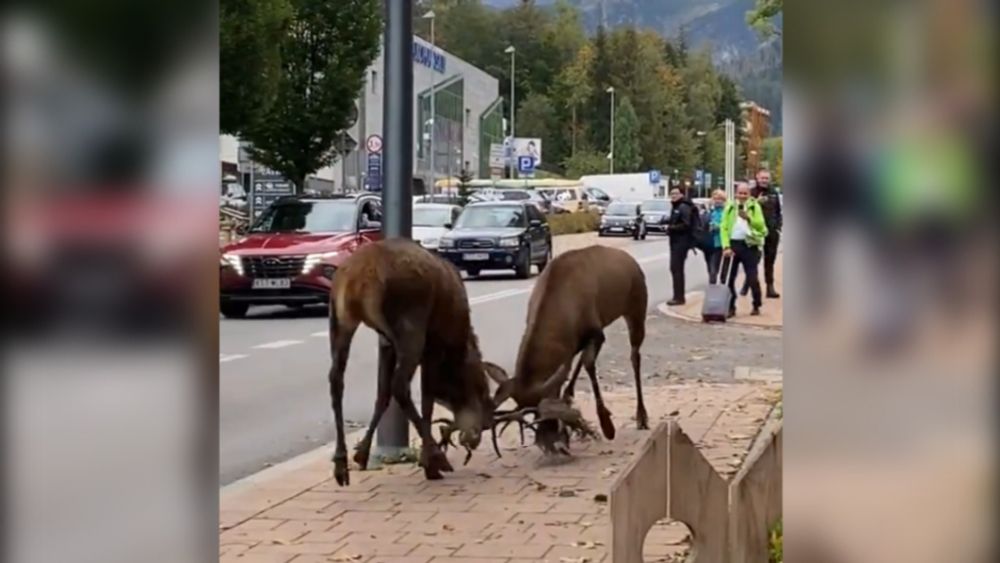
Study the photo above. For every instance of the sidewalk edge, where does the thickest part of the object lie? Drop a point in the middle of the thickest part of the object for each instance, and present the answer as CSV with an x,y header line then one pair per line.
x,y
667,311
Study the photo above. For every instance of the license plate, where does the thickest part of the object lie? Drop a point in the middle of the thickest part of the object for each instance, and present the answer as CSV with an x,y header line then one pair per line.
x,y
617,229
476,256
272,283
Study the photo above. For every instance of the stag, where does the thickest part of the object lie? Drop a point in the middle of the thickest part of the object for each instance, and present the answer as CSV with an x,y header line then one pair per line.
x,y
418,305
579,294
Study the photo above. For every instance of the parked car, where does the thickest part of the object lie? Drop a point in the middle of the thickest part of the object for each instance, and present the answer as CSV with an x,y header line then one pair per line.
x,y
569,199
290,253
437,198
623,218
530,196
431,221
598,198
656,215
498,236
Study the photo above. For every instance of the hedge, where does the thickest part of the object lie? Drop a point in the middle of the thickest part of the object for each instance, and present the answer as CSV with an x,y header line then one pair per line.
x,y
570,223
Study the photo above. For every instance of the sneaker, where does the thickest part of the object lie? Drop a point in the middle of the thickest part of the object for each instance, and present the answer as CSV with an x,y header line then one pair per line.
x,y
755,312
675,302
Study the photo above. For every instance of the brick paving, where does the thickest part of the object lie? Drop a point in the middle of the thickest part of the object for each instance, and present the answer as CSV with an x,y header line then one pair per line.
x,y
523,507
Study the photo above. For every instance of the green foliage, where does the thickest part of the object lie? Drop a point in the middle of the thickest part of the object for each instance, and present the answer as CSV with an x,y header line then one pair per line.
x,y
571,223
324,56
250,33
627,157
773,154
760,18
464,177
776,551
585,162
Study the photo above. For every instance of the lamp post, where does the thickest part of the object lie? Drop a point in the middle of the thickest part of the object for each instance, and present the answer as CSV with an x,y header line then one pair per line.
x,y
512,52
431,16
611,156
701,185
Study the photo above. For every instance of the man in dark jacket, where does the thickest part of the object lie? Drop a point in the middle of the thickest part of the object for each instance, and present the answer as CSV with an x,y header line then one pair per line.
x,y
771,205
681,233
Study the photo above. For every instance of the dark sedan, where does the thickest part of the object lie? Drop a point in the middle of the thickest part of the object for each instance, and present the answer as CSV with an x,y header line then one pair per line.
x,y
498,236
656,215
623,218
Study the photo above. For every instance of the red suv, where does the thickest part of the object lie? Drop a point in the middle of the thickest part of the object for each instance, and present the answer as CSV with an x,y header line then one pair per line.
x,y
291,252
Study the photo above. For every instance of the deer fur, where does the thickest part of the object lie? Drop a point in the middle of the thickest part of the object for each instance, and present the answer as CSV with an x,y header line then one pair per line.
x,y
575,298
418,305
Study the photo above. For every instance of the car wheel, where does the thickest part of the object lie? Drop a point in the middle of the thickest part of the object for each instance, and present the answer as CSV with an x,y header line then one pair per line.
x,y
546,260
232,310
523,267
474,272
601,234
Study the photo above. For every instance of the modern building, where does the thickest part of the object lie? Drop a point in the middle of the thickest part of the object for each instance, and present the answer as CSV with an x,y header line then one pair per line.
x,y
469,117
756,127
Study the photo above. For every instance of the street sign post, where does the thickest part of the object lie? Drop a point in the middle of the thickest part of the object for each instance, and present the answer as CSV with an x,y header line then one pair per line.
x,y
374,143
654,177
707,185
373,181
266,187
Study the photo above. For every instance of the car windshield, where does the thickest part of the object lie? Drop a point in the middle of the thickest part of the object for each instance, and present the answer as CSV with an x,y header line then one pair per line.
x,y
598,193
431,216
491,217
621,208
307,217
656,205
562,195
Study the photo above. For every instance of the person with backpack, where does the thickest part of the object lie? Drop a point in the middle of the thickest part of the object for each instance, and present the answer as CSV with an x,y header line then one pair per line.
x,y
683,225
710,240
742,232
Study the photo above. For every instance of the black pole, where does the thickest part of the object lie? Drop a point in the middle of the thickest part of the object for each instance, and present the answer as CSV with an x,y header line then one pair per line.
x,y
397,132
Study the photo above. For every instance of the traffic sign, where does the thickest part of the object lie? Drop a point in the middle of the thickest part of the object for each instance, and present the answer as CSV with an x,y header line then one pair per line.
x,y
374,143
654,176
698,176
708,180
525,165
374,179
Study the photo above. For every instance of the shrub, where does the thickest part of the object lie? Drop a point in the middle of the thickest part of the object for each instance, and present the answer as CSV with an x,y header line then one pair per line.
x,y
570,223
776,548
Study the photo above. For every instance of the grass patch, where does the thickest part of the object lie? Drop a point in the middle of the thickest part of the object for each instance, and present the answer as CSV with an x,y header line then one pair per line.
x,y
571,223
775,548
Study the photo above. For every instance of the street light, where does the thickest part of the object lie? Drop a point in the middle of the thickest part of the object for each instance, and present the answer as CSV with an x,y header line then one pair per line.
x,y
611,157
430,16
512,52
701,185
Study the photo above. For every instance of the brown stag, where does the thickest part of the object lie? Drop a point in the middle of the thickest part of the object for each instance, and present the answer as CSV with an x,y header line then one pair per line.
x,y
579,294
418,305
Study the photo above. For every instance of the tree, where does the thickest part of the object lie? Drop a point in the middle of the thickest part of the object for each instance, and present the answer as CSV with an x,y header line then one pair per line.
x,y
597,110
627,155
537,118
325,55
586,161
250,33
464,177
762,15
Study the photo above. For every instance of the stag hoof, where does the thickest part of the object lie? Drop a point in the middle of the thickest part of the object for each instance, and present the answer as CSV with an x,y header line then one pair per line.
x,y
361,458
642,420
340,471
434,462
607,427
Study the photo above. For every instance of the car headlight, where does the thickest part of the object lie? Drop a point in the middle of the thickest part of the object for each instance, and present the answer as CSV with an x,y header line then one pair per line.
x,y
631,222
312,260
232,261
446,243
430,243
604,220
509,242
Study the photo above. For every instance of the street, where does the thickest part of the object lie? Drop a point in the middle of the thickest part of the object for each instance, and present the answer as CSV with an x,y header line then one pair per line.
x,y
275,402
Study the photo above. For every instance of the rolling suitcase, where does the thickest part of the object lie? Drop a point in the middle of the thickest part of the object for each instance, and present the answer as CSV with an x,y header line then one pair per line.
x,y
715,308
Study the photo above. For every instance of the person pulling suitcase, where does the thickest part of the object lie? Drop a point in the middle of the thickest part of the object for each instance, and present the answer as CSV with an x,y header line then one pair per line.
x,y
743,231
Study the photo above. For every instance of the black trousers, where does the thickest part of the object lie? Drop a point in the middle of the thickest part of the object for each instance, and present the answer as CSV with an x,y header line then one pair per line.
x,y
770,254
713,260
678,255
748,257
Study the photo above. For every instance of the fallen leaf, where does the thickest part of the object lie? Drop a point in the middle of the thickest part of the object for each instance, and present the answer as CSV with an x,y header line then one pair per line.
x,y
353,557
584,544
448,528
609,472
574,559
586,524
567,493
485,475
600,497
674,413
280,542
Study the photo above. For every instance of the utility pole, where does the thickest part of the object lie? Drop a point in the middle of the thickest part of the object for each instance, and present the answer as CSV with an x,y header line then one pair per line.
x,y
397,199
430,16
512,52
611,156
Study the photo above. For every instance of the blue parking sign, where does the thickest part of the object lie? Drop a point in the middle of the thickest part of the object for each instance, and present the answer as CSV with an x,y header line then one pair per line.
x,y
654,176
526,164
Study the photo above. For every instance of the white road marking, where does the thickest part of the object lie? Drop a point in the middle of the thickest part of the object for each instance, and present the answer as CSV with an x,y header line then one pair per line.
x,y
320,334
278,344
223,358
499,295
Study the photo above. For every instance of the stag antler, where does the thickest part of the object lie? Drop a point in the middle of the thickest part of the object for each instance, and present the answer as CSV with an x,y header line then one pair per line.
x,y
447,429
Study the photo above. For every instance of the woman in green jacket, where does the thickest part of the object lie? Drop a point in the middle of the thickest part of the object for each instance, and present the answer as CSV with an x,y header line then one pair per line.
x,y
742,232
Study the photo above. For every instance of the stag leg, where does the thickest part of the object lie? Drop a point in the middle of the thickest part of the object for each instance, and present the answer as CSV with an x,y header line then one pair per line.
x,y
340,346
570,390
432,459
387,361
636,335
589,361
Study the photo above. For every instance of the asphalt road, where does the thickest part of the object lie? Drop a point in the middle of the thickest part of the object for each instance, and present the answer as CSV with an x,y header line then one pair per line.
x,y
273,365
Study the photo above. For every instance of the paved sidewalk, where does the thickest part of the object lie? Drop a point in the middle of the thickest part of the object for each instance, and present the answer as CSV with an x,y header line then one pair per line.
x,y
771,313
516,509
